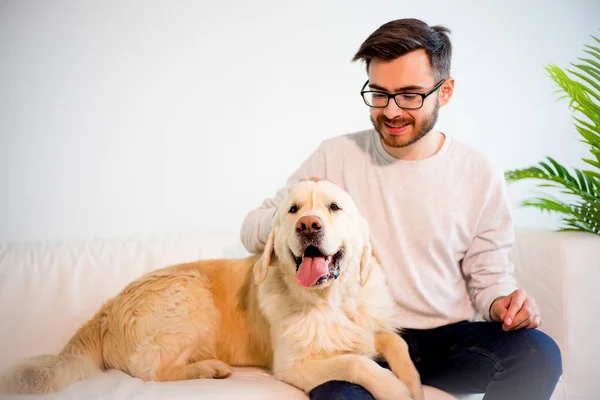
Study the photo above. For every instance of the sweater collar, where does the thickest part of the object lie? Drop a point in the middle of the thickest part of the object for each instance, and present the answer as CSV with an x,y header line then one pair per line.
x,y
388,158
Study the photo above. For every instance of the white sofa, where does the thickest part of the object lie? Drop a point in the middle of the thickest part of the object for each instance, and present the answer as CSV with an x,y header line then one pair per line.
x,y
47,289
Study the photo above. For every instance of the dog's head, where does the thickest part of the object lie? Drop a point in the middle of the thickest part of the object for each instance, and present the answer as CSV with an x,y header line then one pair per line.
x,y
317,235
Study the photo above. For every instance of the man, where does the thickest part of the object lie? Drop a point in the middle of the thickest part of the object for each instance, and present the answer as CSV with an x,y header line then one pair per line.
x,y
440,224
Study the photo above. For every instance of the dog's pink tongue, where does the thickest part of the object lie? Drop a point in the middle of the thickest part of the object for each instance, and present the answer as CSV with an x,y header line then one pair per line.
x,y
311,270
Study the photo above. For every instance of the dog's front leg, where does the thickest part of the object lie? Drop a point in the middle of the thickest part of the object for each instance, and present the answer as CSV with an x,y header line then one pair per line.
x,y
395,351
380,382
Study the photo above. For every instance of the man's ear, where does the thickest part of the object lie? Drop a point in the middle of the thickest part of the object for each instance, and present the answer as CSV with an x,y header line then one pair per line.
x,y
446,91
262,266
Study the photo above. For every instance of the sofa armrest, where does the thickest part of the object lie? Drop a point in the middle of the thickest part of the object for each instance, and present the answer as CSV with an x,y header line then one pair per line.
x,y
561,270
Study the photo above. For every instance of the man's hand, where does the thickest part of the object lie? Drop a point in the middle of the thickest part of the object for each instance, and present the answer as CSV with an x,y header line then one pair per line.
x,y
516,311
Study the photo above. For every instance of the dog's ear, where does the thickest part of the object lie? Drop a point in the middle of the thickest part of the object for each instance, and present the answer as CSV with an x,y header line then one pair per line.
x,y
262,266
365,262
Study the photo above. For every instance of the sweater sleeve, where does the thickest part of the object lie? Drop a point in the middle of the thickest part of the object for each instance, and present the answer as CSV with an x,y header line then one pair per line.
x,y
257,223
487,265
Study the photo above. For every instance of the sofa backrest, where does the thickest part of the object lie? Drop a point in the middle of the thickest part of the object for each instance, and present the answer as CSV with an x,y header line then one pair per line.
x,y
48,289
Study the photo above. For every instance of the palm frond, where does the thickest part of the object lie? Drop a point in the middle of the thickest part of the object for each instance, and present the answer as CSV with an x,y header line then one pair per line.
x,y
581,210
591,62
582,216
587,89
592,173
587,73
593,53
583,185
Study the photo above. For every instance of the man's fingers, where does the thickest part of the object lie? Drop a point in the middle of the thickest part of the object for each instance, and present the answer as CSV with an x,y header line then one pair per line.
x,y
516,311
530,323
504,303
524,323
537,321
528,317
525,315
498,308
535,312
516,302
312,178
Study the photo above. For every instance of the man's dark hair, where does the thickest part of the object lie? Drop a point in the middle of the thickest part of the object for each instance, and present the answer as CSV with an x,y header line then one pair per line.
x,y
396,38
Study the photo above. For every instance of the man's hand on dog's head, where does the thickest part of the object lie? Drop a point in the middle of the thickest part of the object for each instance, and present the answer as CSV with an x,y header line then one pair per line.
x,y
312,178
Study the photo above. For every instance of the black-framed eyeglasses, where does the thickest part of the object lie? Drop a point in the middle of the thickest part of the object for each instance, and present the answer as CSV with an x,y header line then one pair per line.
x,y
404,100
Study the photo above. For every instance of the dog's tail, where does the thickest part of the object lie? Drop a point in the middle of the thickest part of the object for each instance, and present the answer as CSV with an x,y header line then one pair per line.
x,y
80,359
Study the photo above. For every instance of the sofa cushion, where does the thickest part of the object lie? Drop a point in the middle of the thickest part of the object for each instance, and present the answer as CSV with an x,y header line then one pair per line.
x,y
244,383
47,289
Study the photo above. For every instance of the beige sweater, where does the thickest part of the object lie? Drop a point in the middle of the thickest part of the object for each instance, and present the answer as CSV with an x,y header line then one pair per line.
x,y
441,226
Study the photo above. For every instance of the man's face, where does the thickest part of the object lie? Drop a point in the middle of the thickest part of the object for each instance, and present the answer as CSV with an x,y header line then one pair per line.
x,y
408,73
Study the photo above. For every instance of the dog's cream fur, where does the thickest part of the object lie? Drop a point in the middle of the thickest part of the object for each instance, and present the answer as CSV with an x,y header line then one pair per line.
x,y
195,320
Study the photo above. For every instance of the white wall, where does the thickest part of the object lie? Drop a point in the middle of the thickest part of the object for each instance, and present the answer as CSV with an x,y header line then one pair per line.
x,y
126,117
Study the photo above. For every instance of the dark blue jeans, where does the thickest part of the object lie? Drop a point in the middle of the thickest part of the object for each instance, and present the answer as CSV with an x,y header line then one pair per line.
x,y
473,357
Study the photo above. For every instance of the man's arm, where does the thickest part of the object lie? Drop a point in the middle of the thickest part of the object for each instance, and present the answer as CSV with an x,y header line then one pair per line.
x,y
487,266
257,223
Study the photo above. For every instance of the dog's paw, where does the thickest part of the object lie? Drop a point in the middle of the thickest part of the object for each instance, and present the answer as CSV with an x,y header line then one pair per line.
x,y
214,369
392,389
417,392
399,394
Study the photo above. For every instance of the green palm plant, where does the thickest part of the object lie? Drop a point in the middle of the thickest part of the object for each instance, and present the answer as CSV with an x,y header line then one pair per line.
x,y
581,209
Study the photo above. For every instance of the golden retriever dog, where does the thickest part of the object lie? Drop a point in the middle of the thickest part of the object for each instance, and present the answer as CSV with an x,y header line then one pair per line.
x,y
313,307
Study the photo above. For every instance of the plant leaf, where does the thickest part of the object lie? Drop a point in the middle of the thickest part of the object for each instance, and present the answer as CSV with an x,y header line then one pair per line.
x,y
582,180
588,80
594,51
590,61
580,208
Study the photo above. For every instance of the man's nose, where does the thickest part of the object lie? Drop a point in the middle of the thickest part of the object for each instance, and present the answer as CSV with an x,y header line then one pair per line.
x,y
392,110
309,225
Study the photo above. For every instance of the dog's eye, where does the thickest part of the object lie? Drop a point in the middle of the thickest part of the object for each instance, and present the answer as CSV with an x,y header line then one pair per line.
x,y
334,207
293,209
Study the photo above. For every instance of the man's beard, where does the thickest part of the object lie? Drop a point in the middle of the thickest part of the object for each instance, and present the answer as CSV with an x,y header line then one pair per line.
x,y
418,130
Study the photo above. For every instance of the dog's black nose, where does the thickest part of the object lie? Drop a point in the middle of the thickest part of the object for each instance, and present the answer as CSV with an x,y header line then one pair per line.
x,y
308,225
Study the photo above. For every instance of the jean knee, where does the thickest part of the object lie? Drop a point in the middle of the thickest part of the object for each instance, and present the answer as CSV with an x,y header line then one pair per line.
x,y
544,354
340,390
